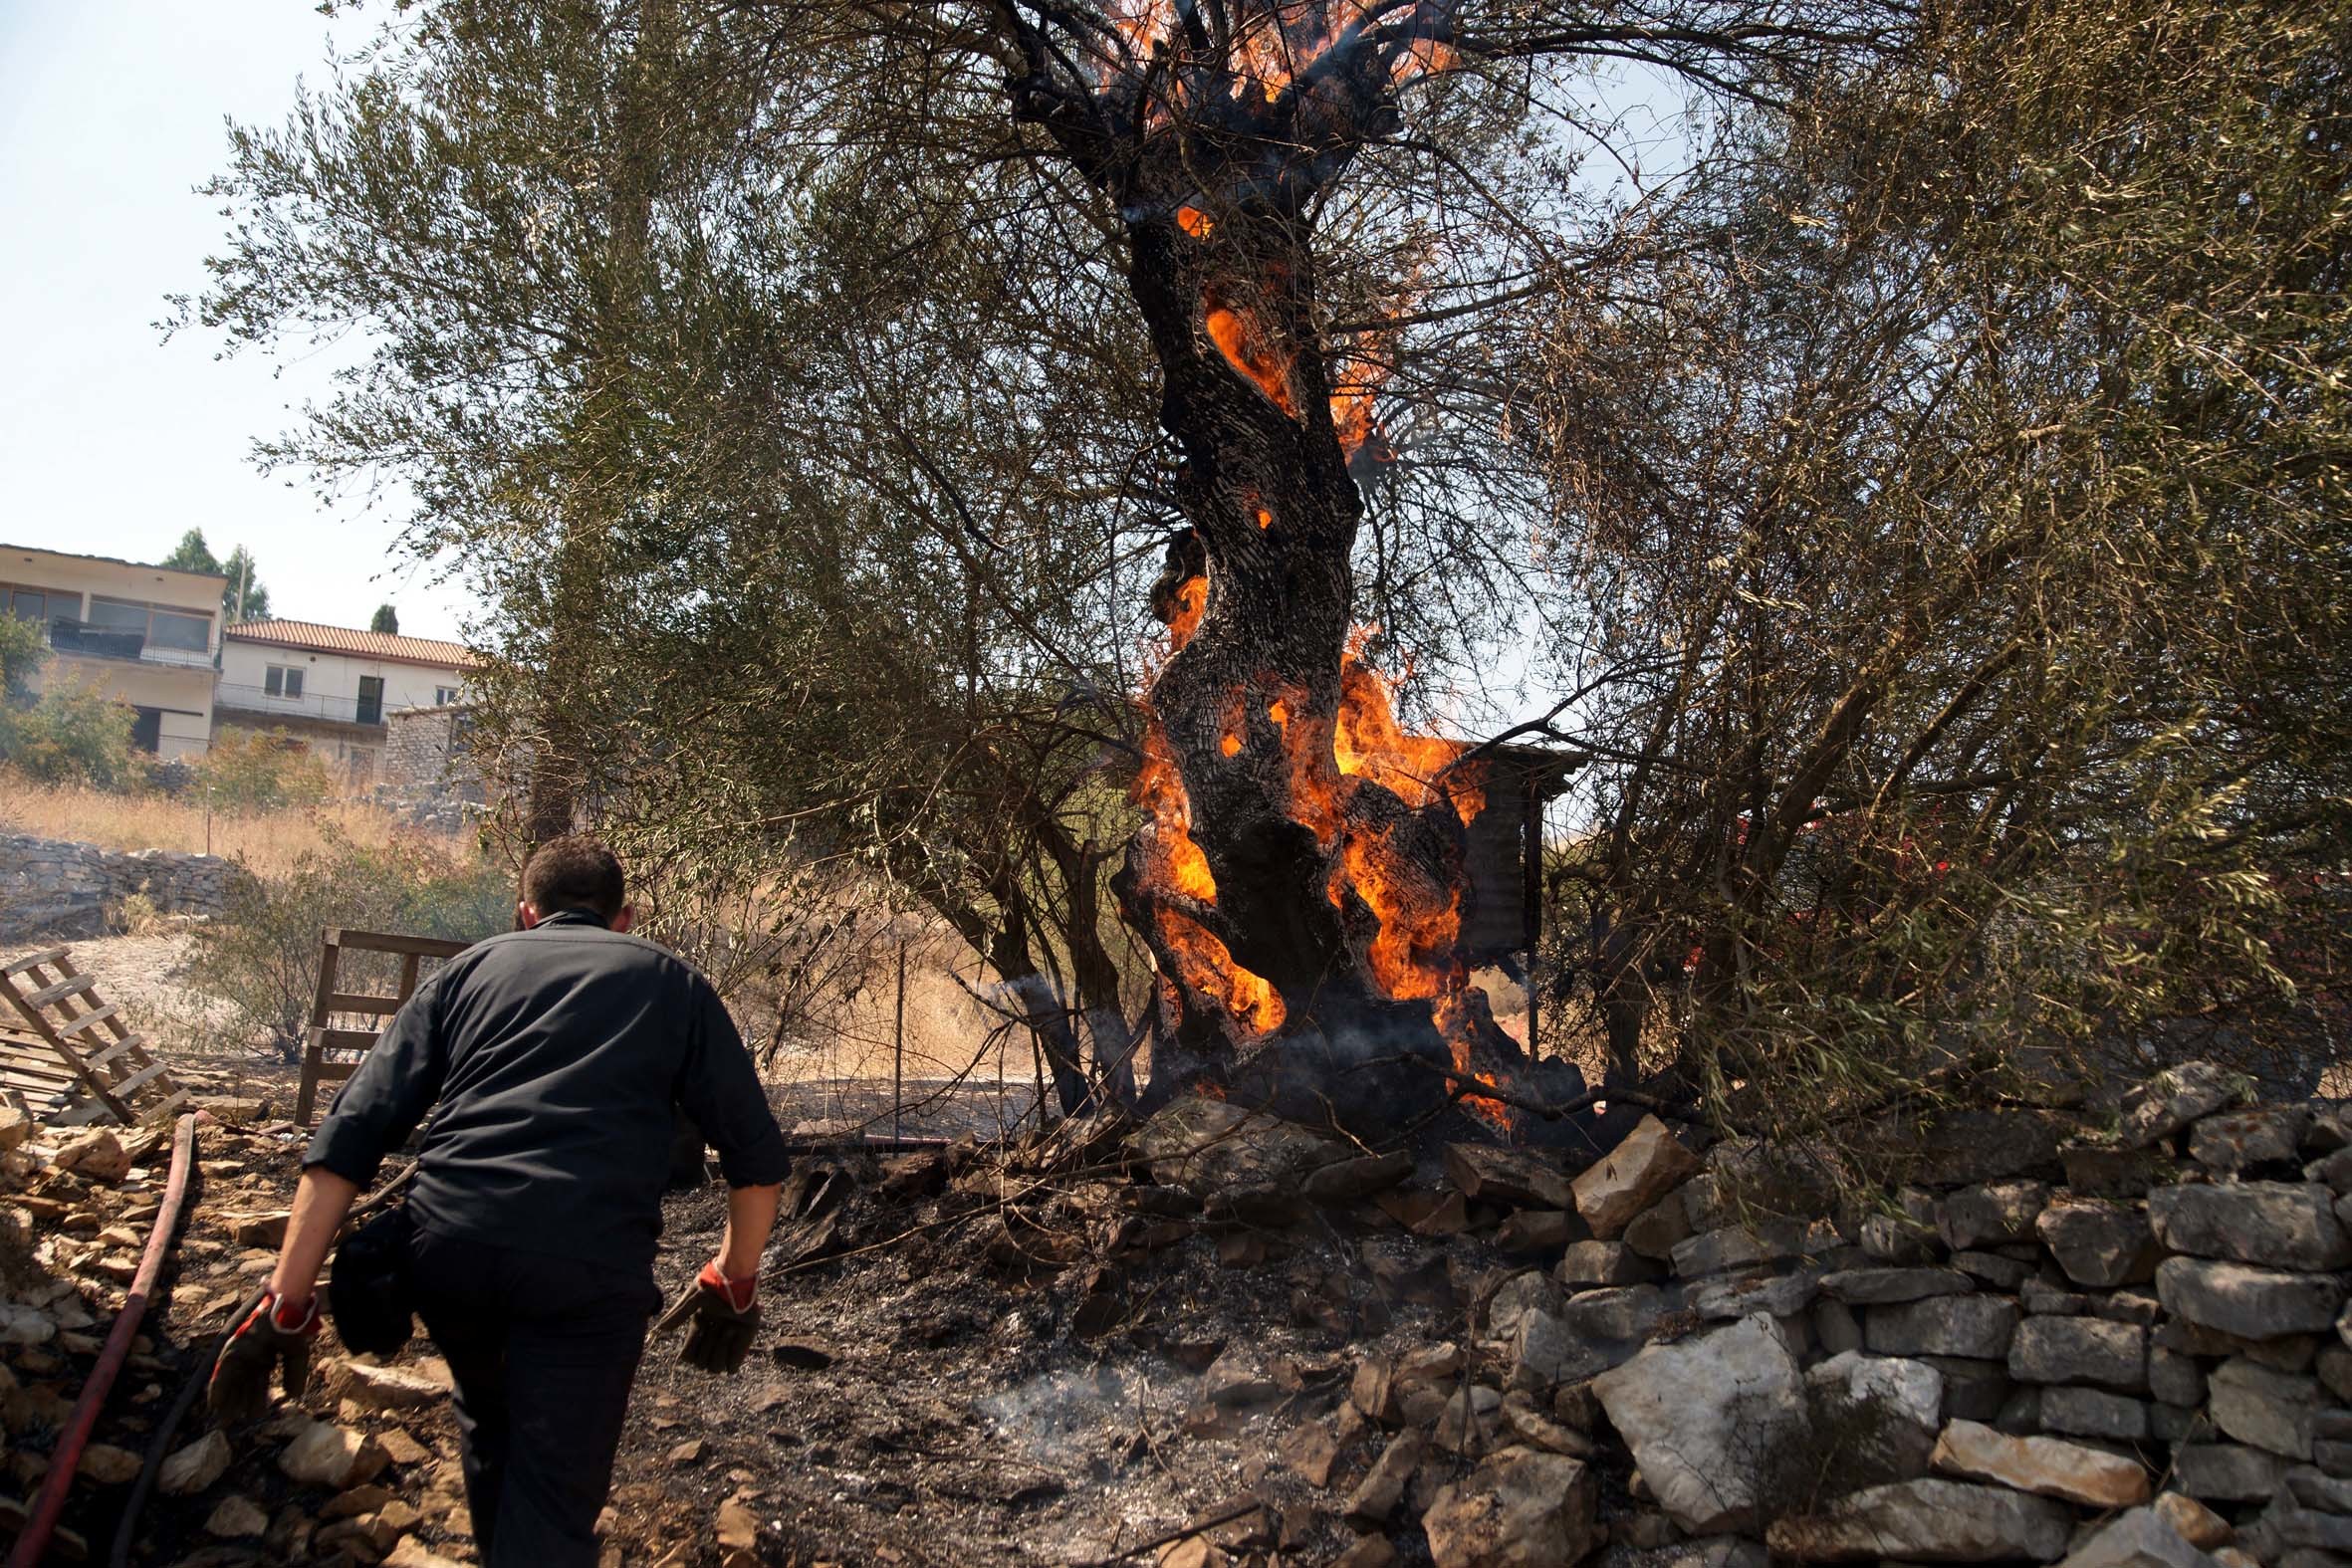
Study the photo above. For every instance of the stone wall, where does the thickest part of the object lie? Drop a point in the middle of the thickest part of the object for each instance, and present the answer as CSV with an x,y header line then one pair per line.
x,y
429,776
2104,1339
53,887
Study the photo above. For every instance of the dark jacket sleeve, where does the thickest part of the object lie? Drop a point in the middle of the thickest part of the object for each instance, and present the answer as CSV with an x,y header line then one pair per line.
x,y
398,1081
720,1089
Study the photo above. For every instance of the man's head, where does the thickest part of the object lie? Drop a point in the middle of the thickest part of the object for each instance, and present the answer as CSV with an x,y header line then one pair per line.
x,y
573,872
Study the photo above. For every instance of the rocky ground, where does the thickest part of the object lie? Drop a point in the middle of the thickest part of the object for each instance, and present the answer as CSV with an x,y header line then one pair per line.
x,y
2108,1339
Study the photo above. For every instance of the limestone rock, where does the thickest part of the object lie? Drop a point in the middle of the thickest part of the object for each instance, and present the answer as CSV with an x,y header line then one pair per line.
x,y
1960,1147
2099,1245
322,1454
1929,1520
1507,1178
1739,1247
1208,1146
104,1464
2275,1225
2093,1172
1899,1240
2170,1100
2198,1524
1626,1312
1898,1402
95,1155
196,1466
1344,1180
24,1326
2273,1411
1656,1230
2049,1467
2080,1350
390,1388
2238,1139
1540,1231
1780,1296
1238,1377
235,1519
2228,1473
1892,1286
1640,1171
1995,1213
2142,1538
1522,1508
408,1554
15,1128
1604,1264
1699,1414
2251,1302
1972,1325
2093,1413
1383,1486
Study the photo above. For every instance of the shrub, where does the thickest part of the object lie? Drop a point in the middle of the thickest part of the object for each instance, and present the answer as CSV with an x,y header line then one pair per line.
x,y
260,957
250,770
69,735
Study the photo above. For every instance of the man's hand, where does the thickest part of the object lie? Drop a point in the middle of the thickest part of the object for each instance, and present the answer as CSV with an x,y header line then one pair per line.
x,y
275,1336
726,1316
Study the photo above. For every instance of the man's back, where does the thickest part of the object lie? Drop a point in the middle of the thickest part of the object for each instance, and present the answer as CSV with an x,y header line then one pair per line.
x,y
555,1056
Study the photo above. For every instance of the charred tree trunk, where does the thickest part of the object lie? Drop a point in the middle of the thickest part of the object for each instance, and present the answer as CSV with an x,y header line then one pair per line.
x,y
1290,898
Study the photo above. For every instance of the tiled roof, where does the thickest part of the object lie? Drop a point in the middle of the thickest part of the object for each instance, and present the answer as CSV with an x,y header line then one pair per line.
x,y
316,638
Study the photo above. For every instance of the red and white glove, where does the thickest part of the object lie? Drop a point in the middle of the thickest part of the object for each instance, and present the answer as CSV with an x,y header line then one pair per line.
x,y
275,1336
726,1316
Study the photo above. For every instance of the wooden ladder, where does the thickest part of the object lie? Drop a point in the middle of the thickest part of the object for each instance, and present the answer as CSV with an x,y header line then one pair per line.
x,y
61,1008
332,1053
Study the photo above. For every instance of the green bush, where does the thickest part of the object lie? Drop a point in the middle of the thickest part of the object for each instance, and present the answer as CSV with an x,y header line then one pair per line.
x,y
249,771
71,734
66,734
260,957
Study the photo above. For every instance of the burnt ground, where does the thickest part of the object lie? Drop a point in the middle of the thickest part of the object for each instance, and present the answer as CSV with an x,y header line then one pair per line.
x,y
1006,1369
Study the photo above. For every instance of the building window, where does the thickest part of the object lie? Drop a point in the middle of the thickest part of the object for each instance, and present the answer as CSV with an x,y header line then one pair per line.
x,y
282,680
443,695
163,629
27,603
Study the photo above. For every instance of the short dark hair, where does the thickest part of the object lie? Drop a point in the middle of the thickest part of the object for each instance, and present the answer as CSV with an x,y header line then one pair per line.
x,y
574,872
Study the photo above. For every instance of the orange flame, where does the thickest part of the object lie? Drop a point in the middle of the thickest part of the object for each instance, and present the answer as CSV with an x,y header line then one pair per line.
x,y
1172,861
1192,602
1251,352
1194,222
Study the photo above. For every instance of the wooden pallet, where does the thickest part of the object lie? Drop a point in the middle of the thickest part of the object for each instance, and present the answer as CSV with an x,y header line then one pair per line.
x,y
61,1011
331,1052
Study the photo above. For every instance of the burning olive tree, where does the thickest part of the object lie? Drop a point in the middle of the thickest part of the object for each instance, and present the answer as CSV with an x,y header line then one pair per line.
x,y
1298,873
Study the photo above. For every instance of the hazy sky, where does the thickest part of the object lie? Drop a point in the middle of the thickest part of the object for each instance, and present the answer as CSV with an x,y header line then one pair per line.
x,y
113,442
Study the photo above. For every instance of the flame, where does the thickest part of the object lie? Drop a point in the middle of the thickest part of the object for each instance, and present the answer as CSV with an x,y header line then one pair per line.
x,y
1265,518
1250,351
1194,222
1192,602
1173,862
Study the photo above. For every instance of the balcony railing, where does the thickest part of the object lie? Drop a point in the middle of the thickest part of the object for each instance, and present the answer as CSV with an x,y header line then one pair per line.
x,y
258,700
88,641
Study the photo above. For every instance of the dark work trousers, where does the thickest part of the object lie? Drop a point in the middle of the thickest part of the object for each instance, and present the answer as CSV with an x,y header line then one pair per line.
x,y
542,1351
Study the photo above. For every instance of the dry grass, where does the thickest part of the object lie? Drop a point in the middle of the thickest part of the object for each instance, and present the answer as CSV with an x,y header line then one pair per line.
x,y
269,841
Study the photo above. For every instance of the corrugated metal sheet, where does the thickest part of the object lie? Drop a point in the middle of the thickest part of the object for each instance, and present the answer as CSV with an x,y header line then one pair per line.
x,y
316,638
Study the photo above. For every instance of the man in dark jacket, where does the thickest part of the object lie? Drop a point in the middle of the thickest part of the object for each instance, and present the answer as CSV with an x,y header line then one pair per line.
x,y
556,1054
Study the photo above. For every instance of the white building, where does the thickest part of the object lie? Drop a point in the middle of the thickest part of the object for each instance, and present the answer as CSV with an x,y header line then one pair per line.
x,y
329,687
143,635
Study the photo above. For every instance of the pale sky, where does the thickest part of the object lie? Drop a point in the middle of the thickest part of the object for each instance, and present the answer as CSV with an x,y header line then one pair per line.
x,y
113,442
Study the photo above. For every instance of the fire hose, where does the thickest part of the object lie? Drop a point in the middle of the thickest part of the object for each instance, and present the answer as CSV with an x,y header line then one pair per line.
x,y
159,1445
41,1523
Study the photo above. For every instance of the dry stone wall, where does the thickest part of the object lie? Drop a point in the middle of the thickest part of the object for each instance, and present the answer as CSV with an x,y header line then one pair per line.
x,y
52,887
2098,1341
